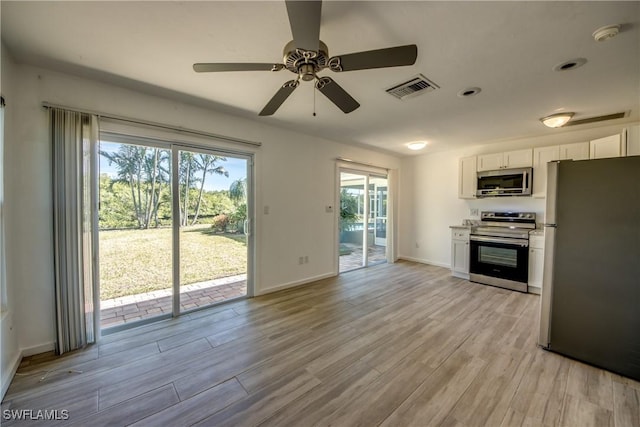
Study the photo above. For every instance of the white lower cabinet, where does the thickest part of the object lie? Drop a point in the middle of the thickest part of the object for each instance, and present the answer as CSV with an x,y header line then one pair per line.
x,y
536,263
460,252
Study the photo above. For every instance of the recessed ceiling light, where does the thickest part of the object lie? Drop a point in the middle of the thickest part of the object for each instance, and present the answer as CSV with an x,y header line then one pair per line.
x,y
470,91
606,33
571,64
418,145
556,120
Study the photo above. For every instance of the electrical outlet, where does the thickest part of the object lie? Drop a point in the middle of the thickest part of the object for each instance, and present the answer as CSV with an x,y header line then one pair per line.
x,y
474,212
266,210
306,259
417,245
301,260
328,209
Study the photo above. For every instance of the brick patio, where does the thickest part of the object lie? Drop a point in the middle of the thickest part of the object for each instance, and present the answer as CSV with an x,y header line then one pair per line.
x,y
132,308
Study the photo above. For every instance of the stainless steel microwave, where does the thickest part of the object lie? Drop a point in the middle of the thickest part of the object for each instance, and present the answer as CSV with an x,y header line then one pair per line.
x,y
505,182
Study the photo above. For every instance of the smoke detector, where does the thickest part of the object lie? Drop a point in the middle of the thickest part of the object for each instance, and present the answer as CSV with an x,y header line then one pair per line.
x,y
606,33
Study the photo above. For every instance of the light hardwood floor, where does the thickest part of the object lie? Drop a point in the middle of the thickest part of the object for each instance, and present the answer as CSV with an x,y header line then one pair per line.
x,y
392,345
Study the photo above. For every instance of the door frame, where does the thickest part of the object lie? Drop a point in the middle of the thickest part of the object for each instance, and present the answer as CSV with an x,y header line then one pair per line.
x,y
367,173
174,148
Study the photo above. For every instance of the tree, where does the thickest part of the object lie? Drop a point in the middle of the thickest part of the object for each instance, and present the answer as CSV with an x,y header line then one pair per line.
x,y
145,171
238,193
238,190
190,165
206,163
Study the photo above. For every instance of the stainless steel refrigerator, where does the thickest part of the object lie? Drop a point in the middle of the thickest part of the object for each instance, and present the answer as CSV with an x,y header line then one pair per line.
x,y
590,302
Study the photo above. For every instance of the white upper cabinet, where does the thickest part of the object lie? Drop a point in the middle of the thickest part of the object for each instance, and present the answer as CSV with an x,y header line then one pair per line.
x,y
609,146
506,160
518,159
633,140
467,178
487,162
542,156
575,151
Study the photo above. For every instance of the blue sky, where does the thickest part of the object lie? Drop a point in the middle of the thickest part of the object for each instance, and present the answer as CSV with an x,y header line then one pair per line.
x,y
237,169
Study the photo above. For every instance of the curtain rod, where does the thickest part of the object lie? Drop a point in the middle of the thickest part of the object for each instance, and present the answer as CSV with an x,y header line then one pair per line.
x,y
342,159
155,124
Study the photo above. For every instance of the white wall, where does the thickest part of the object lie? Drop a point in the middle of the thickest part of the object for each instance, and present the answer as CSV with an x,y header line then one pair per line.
x,y
9,350
295,177
429,201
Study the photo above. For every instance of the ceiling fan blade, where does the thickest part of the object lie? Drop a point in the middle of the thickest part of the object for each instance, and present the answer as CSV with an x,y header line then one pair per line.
x,y
235,66
281,95
380,58
304,18
336,94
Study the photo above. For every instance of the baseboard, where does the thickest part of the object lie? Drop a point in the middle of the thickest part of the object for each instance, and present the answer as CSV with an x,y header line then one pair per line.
x,y
37,349
294,284
424,261
7,377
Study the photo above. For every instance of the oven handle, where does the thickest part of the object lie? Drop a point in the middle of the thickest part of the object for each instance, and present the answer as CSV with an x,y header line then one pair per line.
x,y
513,242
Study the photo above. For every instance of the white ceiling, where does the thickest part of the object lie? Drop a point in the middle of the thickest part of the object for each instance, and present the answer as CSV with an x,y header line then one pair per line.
x,y
508,49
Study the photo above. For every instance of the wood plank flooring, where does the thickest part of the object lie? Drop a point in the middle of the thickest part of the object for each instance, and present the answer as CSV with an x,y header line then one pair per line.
x,y
393,345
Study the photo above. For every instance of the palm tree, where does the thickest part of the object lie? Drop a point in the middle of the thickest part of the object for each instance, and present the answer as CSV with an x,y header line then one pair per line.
x,y
238,190
206,163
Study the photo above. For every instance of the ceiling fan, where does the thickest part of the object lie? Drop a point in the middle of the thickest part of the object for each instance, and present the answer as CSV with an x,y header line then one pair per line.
x,y
306,55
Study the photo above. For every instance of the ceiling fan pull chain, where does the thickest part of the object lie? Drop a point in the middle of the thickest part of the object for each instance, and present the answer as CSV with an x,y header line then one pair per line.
x,y
314,100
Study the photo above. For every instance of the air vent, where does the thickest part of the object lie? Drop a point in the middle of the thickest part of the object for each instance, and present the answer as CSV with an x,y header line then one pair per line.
x,y
417,85
595,119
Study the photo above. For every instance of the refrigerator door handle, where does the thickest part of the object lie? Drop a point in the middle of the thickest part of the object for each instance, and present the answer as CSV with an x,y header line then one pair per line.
x,y
552,191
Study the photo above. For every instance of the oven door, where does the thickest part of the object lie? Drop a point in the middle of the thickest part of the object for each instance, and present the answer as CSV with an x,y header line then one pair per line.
x,y
506,259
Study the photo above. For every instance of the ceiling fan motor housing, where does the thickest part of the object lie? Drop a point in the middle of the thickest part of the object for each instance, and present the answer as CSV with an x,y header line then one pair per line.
x,y
305,63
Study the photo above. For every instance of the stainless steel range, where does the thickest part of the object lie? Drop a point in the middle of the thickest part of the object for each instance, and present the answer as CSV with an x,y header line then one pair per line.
x,y
499,254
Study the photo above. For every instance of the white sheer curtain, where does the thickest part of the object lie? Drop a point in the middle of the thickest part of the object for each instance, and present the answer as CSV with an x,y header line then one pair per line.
x,y
74,137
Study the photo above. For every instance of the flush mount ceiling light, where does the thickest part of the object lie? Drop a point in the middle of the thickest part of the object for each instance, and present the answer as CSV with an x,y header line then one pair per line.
x,y
606,33
418,145
556,120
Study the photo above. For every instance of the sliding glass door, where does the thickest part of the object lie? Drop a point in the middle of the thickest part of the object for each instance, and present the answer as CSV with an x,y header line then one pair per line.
x,y
363,219
212,235
134,232
173,229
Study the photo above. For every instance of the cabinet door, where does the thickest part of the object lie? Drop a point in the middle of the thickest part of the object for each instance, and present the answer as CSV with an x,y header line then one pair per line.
x,y
460,258
576,151
467,178
518,159
536,267
633,140
542,156
488,162
609,146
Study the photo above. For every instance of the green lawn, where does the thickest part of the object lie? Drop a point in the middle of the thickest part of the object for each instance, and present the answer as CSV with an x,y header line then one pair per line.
x,y
137,261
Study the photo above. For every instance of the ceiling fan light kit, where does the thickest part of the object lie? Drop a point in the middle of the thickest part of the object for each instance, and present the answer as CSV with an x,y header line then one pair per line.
x,y
306,55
